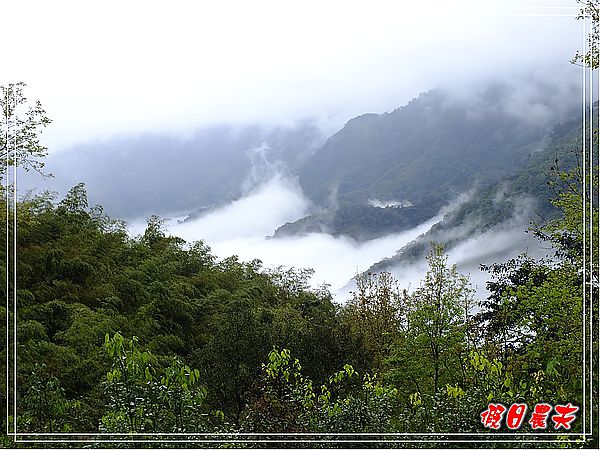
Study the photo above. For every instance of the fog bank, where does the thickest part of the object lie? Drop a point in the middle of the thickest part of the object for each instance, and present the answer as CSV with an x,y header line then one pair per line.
x,y
243,227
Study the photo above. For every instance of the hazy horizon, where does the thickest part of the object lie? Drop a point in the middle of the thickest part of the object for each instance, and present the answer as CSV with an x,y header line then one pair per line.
x,y
126,69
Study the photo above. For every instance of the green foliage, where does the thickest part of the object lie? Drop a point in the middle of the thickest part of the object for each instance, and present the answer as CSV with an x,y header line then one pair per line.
x,y
278,403
438,332
20,127
456,407
590,10
82,277
351,404
534,316
374,315
46,408
147,396
412,361
578,218
347,402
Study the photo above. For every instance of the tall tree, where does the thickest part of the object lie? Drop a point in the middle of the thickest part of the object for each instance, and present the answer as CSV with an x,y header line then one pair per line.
x,y
22,123
373,315
436,340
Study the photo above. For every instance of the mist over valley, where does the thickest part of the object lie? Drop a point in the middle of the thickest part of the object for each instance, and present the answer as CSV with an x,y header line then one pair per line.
x,y
461,168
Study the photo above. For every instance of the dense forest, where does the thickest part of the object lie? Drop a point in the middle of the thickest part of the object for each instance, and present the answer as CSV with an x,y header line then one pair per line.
x,y
147,334
151,333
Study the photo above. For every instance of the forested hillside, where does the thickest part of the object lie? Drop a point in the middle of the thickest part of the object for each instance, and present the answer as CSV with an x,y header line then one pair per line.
x,y
422,155
405,155
523,198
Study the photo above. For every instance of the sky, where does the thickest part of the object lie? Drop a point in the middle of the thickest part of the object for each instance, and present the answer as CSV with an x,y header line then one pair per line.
x,y
111,68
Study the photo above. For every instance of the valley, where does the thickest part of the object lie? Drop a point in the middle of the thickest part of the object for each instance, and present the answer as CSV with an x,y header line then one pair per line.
x,y
440,169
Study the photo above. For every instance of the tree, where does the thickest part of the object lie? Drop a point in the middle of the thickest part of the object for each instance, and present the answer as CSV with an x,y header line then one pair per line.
x,y
590,9
535,316
21,126
533,324
434,346
144,396
373,314
45,405
287,400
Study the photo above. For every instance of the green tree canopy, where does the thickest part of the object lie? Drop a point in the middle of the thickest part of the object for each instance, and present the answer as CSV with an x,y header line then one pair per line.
x,y
20,128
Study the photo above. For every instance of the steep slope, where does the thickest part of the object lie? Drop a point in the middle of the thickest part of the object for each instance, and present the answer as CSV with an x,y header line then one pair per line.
x,y
515,201
435,146
419,158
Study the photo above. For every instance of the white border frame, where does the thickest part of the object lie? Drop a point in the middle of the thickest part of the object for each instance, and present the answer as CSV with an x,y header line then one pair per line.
x,y
303,438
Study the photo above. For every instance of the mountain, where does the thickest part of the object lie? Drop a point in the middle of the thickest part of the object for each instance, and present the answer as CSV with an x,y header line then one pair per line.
x,y
435,145
419,158
516,201
158,174
379,174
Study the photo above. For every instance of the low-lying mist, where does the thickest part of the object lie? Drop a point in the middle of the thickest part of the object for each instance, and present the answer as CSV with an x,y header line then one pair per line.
x,y
494,246
243,227
257,215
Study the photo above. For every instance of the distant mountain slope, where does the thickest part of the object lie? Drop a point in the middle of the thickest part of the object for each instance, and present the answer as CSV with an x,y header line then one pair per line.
x,y
434,147
513,201
422,155
361,222
158,174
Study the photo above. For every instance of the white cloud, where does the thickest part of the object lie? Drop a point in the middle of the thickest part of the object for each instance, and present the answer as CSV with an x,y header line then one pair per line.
x,y
115,67
241,228
257,215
